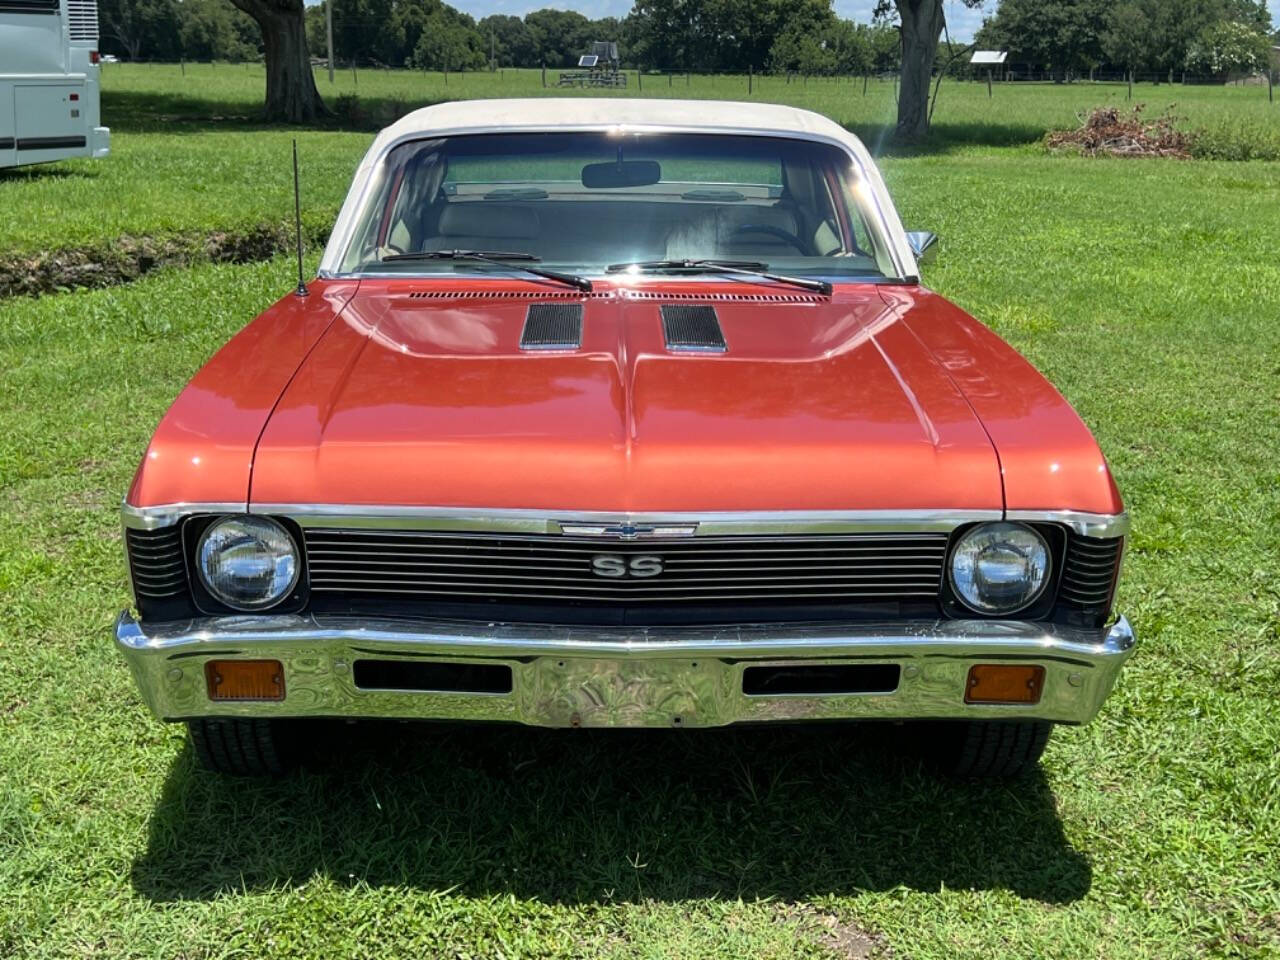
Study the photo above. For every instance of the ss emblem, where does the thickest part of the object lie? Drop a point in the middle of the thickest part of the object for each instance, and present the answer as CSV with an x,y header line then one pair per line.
x,y
612,565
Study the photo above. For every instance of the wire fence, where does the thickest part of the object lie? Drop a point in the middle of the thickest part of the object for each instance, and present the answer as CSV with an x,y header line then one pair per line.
x,y
753,79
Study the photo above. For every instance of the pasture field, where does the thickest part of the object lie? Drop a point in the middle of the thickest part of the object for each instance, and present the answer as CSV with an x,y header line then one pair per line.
x,y
189,159
1148,291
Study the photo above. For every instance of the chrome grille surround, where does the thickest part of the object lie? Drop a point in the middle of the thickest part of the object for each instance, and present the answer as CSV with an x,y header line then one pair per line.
x,y
457,565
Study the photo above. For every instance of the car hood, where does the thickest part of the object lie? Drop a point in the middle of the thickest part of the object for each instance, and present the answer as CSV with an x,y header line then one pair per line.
x,y
419,394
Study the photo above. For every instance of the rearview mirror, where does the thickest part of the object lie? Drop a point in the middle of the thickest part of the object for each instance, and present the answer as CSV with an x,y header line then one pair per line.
x,y
924,245
621,173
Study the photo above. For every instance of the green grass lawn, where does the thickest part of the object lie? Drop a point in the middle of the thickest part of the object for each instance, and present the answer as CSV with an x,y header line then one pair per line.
x,y
1149,291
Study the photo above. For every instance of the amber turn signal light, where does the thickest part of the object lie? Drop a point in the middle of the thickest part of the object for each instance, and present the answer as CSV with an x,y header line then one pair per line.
x,y
1004,683
244,679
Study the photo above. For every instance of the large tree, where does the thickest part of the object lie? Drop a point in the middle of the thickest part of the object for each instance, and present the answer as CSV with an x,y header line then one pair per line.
x,y
921,23
560,37
291,89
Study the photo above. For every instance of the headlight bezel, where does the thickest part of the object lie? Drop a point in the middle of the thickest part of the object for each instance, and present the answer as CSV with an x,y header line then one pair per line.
x,y
1039,605
205,595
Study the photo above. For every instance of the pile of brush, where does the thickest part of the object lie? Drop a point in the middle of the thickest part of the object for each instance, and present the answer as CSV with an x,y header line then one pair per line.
x,y
1110,130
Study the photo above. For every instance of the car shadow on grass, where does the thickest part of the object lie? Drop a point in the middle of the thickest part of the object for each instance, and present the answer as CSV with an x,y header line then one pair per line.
x,y
606,816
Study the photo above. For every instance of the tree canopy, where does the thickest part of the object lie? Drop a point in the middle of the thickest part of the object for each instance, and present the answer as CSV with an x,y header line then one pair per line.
x,y
724,36
1071,37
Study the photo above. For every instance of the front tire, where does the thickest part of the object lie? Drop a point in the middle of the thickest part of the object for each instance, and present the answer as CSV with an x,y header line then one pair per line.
x,y
242,747
986,749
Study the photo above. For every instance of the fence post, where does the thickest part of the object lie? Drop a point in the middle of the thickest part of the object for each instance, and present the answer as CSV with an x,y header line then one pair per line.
x,y
328,32
1130,84
864,84
544,74
988,84
183,63
1271,89
639,80
750,78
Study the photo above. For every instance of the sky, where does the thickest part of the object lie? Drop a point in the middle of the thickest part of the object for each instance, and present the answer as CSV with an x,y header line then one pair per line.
x,y
960,19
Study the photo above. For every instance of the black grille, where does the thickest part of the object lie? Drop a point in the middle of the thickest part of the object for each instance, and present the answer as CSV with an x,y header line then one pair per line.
x,y
552,326
1088,576
460,567
156,563
692,328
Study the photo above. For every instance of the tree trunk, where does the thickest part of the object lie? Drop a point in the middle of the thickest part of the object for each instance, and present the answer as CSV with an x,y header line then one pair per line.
x,y
921,28
292,96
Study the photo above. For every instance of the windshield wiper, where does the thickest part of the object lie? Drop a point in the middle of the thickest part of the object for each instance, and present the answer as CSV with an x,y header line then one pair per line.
x,y
502,258
748,268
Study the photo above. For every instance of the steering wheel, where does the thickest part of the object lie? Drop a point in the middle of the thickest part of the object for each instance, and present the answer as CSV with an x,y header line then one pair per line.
x,y
764,228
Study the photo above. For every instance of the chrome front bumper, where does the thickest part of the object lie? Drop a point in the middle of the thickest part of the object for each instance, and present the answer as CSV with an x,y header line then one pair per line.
x,y
621,676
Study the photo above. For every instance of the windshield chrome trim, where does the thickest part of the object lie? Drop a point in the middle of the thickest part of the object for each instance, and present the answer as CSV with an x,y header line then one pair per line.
x,y
591,273
342,236
706,524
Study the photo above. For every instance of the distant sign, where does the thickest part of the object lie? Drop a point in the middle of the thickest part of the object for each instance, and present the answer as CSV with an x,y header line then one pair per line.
x,y
588,60
990,58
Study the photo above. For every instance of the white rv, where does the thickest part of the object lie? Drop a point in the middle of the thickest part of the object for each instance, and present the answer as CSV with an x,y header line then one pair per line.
x,y
49,102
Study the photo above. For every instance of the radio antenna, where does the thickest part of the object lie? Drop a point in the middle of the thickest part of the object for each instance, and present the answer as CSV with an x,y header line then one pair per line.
x,y
297,219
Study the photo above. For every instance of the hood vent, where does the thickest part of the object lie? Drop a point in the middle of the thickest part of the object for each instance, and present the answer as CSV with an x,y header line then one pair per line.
x,y
552,326
692,329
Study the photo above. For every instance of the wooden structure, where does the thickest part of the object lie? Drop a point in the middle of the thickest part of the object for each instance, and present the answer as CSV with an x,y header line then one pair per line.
x,y
598,67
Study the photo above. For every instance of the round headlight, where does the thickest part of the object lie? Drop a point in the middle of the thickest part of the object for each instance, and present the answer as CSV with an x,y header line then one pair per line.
x,y
1000,568
249,563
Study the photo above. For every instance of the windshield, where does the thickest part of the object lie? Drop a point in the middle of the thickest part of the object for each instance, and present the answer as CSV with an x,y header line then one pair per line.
x,y
584,201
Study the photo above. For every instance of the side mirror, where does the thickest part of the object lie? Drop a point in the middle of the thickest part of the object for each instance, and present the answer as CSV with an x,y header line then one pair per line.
x,y
924,245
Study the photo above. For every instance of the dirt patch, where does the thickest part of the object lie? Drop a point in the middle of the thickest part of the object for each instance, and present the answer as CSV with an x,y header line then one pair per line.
x,y
1124,133
851,942
128,258
847,941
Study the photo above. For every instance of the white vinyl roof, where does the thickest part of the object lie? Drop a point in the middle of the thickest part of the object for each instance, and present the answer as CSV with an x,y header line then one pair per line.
x,y
989,56
537,114
567,113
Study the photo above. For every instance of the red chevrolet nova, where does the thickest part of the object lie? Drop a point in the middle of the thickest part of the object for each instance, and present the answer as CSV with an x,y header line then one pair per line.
x,y
622,413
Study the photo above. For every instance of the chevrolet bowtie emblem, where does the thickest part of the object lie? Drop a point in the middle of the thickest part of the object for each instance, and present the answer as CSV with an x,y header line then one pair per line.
x,y
629,531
